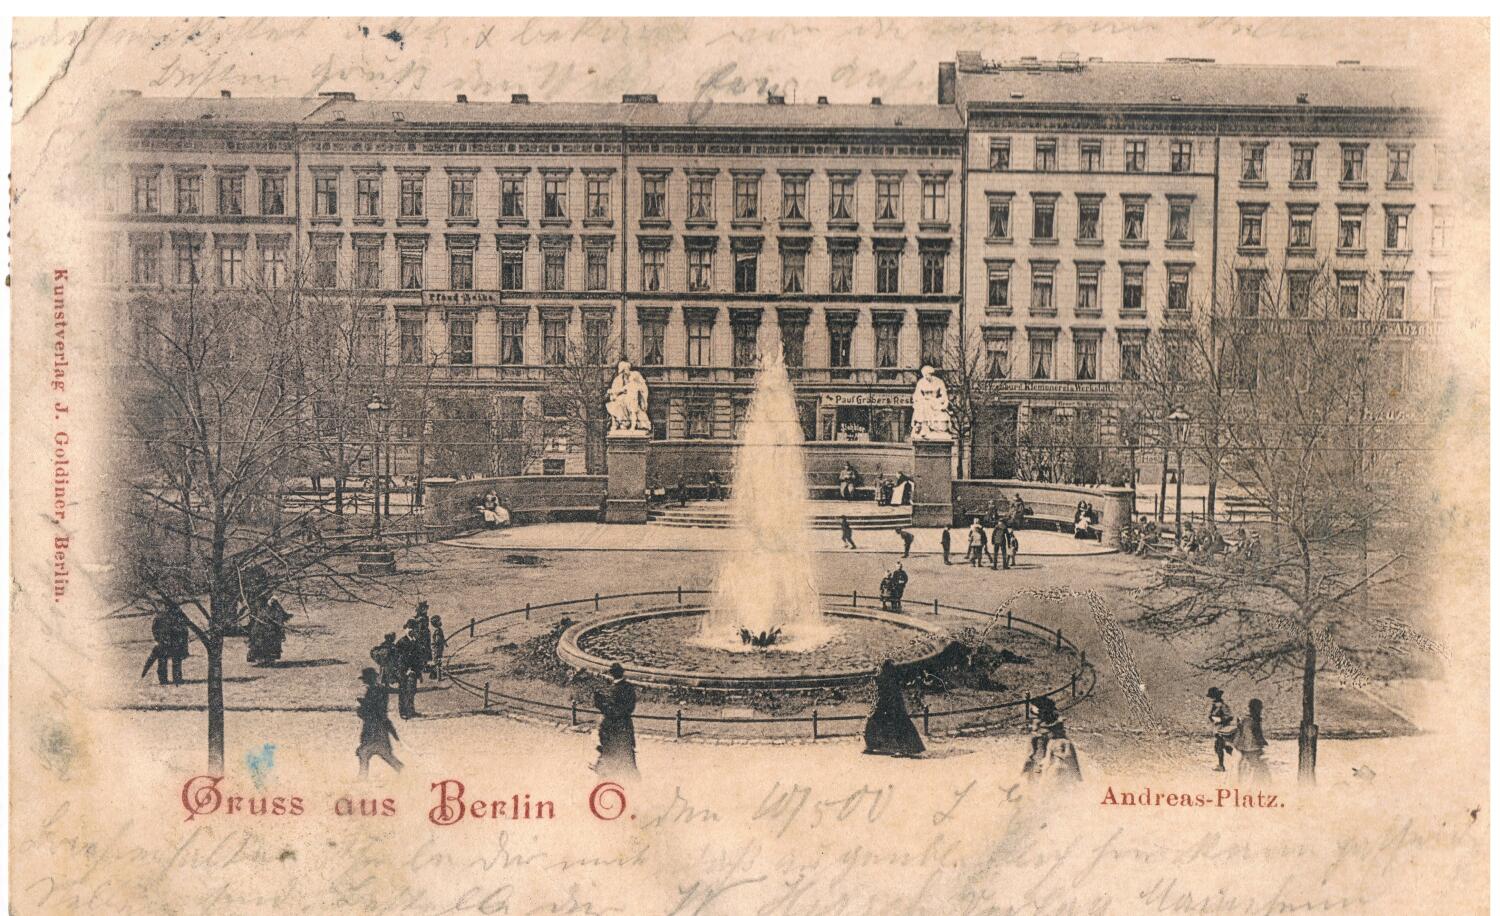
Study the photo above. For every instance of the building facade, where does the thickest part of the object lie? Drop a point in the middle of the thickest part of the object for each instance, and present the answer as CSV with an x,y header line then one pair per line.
x,y
1056,216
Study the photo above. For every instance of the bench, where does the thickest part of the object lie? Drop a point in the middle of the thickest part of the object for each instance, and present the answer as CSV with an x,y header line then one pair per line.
x,y
860,493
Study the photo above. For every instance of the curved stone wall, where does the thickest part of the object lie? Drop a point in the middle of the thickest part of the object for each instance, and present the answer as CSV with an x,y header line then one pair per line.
x,y
451,505
1047,500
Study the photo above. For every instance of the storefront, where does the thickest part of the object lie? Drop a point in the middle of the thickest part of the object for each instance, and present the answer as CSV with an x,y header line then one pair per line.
x,y
864,417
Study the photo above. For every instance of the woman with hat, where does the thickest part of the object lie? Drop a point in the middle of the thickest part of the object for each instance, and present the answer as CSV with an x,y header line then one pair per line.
x,y
1222,721
617,730
889,729
1053,756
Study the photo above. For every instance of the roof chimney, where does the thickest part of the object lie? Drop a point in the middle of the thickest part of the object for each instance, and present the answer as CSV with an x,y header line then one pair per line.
x,y
773,99
341,96
224,93
875,101
639,98
463,99
822,100
1301,98
520,98
947,82
1348,63
398,116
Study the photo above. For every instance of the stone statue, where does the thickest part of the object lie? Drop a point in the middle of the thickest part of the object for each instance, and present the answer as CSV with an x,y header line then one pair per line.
x,y
929,408
628,397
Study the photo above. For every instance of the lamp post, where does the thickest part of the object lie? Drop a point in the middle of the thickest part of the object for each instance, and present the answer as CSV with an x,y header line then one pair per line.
x,y
1179,418
377,409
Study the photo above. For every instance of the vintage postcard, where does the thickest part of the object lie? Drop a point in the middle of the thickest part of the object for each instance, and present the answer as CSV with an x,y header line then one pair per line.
x,y
750,466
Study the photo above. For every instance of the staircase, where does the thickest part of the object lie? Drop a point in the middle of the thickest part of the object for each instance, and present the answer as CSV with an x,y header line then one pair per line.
x,y
862,515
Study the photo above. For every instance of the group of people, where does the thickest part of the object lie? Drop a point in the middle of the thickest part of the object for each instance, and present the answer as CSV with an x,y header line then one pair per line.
x,y
896,492
171,637
1085,521
495,515
892,587
266,628
405,661
1243,736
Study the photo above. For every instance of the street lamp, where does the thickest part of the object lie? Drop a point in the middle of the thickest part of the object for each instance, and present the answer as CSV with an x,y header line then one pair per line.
x,y
1179,418
377,409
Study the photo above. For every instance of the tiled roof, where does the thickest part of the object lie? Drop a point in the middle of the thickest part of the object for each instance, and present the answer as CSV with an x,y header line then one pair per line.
x,y
126,107
1193,84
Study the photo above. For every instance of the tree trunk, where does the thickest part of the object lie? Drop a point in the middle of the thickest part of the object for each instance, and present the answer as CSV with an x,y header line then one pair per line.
x,y
1307,732
1213,493
213,647
1161,496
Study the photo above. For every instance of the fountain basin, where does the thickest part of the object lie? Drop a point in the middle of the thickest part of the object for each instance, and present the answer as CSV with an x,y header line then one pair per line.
x,y
658,646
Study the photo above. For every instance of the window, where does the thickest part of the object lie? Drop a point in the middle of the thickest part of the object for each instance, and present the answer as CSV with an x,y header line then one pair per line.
x,y
554,269
145,263
1352,230
367,196
231,195
326,195
1179,221
698,418
1252,226
699,341
794,198
1086,358
887,344
1088,288
461,340
1135,155
1302,164
413,351
367,266
1352,165
1251,289
793,335
1133,288
411,268
189,194
934,199
461,197
746,335
887,271
1442,229
997,363
1179,288
1299,293
888,198
512,341
1088,219
512,269
1398,165
413,192
999,154
1442,298
999,217
746,271
146,197
793,271
1178,361
1349,296
1397,226
1046,155
653,342
1090,155
596,198
1442,166
1182,156
554,341
1253,163
841,271
700,268
272,265
1041,289
932,271
273,195
231,265
461,269
999,287
512,197
1041,357
653,268
554,197
1134,225
701,197
653,196
1300,228
1395,298
1131,351
325,263
931,335
596,269
747,197
841,197
510,415
1043,218
839,337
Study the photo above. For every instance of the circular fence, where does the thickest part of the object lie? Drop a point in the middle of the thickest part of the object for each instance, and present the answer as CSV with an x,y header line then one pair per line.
x,y
934,720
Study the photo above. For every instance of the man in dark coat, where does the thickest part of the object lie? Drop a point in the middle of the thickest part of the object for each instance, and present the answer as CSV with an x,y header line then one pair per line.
x,y
439,645
898,587
906,538
408,670
846,532
385,657
714,483
1000,545
376,729
423,635
616,730
170,631
889,729
947,542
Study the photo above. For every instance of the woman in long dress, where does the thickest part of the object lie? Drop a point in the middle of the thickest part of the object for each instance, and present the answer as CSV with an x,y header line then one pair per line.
x,y
1250,741
1053,756
617,730
889,729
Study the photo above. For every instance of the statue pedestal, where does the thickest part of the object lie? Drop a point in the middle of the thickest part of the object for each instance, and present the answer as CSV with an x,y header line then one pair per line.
x,y
625,492
932,483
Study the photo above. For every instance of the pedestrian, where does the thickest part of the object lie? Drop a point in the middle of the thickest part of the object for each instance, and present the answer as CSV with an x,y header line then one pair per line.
x,y
423,635
408,670
439,646
906,538
889,729
170,631
947,541
1002,544
682,490
899,579
846,532
976,543
617,729
1221,719
848,477
1250,741
384,656
1053,756
267,627
376,729
714,484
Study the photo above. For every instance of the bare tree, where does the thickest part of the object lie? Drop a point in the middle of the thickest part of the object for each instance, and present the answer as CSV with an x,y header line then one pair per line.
x,y
973,390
